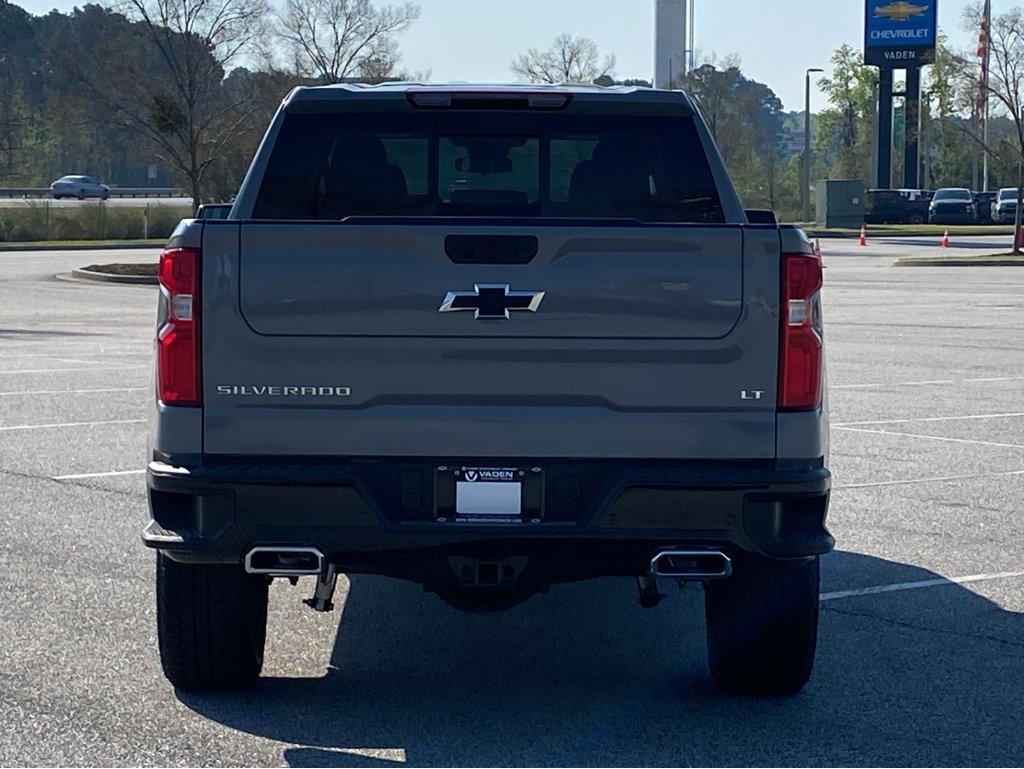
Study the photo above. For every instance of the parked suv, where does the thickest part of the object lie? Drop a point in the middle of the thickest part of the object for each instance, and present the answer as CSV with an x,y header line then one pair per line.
x,y
489,339
1004,209
80,187
952,205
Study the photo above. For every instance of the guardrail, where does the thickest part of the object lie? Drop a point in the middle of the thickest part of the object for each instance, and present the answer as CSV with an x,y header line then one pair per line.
x,y
115,192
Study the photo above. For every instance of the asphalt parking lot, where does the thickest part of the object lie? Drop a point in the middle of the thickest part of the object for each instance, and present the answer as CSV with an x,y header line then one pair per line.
x,y
921,653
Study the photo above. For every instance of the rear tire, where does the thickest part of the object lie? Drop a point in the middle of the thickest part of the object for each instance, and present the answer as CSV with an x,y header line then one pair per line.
x,y
762,626
211,624
81,195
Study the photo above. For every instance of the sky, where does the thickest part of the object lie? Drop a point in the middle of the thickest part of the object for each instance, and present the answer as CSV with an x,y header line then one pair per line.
x,y
775,41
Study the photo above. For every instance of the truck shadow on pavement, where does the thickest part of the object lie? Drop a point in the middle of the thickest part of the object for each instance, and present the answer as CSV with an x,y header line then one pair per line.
x,y
583,676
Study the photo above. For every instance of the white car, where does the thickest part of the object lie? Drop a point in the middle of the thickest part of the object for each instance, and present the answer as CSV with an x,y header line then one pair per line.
x,y
80,187
1004,209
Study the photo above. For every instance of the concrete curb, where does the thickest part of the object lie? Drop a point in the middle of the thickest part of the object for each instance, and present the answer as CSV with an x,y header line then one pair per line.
x,y
106,277
954,261
875,234
99,246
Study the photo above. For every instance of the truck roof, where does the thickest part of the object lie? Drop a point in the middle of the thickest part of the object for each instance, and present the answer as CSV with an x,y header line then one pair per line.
x,y
403,90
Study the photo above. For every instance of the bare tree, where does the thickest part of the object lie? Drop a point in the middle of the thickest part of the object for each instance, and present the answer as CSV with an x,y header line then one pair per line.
x,y
331,40
568,60
1004,90
167,85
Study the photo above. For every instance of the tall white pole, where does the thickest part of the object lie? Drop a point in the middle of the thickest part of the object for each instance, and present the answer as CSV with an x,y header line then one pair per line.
x,y
670,38
690,43
987,33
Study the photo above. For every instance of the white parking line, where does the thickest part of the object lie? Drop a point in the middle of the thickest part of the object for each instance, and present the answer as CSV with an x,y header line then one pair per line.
x,y
75,392
109,474
57,356
931,437
897,586
59,359
928,419
79,368
927,382
72,424
938,479
394,755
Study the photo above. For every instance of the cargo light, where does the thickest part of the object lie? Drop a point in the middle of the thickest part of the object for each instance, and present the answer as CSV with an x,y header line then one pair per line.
x,y
800,334
177,340
508,98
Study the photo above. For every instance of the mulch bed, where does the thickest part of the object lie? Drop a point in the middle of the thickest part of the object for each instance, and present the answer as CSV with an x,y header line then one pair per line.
x,y
123,269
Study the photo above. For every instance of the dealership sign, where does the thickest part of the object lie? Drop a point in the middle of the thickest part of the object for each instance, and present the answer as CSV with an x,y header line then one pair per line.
x,y
899,34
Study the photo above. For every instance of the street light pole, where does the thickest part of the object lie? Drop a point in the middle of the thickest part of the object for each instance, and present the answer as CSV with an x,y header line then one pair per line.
x,y
805,189
924,116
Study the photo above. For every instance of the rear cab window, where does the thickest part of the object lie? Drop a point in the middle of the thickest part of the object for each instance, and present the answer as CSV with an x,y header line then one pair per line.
x,y
522,164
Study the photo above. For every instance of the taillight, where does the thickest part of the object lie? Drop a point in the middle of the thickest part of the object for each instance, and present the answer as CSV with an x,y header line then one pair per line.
x,y
177,340
800,337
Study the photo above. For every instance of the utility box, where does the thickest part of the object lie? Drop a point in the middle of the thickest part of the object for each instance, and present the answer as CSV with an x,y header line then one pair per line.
x,y
839,203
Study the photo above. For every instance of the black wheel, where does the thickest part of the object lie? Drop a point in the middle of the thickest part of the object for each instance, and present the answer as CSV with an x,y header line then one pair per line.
x,y
56,197
917,219
105,195
81,195
762,626
211,624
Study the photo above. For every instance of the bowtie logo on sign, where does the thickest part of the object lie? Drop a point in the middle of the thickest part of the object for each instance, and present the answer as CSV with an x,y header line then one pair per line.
x,y
900,11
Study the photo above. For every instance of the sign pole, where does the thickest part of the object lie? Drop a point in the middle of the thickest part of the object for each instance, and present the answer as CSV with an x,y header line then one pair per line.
x,y
884,172
910,133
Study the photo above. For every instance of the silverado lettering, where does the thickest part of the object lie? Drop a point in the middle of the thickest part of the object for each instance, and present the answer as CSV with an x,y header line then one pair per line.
x,y
284,390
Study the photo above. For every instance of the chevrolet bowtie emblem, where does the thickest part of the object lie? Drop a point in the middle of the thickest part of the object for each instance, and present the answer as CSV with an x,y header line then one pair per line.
x,y
491,300
900,11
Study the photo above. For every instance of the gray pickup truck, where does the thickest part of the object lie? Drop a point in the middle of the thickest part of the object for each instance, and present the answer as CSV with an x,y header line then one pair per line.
x,y
489,339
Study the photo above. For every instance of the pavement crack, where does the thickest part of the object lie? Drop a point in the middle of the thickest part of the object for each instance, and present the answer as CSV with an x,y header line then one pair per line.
x,y
36,477
925,628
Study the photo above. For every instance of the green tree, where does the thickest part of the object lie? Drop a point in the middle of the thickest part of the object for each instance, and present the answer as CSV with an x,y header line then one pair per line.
x,y
745,119
1005,92
844,131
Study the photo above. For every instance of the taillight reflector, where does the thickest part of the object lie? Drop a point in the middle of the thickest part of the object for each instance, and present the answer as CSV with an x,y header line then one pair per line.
x,y
177,339
800,334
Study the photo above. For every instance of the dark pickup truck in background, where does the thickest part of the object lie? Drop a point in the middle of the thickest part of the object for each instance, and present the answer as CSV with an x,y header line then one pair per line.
x,y
896,207
489,339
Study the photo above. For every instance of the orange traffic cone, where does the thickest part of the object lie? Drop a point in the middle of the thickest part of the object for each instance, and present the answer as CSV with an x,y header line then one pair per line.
x,y
863,236
944,243
817,246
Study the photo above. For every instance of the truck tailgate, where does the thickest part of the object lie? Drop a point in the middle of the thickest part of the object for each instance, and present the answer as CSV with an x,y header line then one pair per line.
x,y
325,339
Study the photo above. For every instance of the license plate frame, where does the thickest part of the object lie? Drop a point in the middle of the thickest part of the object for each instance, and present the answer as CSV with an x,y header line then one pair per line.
x,y
458,489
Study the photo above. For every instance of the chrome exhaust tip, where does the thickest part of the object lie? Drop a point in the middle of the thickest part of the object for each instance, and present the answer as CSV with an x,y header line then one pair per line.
x,y
691,564
284,561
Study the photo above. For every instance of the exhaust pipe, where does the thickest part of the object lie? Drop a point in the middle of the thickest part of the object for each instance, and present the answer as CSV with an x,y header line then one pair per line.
x,y
691,564
284,561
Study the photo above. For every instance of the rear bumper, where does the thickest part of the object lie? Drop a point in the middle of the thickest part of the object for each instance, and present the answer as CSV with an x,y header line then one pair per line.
x,y
373,515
